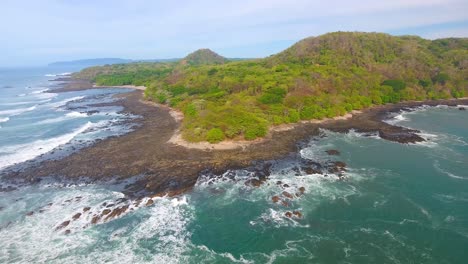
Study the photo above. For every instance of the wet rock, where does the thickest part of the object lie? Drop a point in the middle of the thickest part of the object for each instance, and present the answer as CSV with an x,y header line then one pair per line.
x,y
95,219
310,170
288,214
286,186
76,216
275,199
117,212
284,203
462,108
86,209
149,202
109,205
67,232
337,167
105,211
30,213
64,224
332,152
137,203
405,137
297,214
254,182
279,182
301,189
287,195
68,201
297,171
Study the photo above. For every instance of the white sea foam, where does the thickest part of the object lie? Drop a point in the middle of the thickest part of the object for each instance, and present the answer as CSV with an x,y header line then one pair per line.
x,y
46,96
68,116
39,91
19,153
57,74
443,171
34,239
64,102
4,119
14,112
76,114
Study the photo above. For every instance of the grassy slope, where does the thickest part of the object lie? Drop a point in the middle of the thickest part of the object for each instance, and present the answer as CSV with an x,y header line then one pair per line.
x,y
318,77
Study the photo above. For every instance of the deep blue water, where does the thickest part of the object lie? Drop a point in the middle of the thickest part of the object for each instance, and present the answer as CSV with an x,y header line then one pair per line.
x,y
397,204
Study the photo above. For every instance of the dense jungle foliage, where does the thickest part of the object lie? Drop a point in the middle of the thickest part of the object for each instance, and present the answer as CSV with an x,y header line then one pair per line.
x,y
318,77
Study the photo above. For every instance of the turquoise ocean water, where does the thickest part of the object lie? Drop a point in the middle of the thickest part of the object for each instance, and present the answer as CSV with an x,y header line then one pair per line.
x,y
397,204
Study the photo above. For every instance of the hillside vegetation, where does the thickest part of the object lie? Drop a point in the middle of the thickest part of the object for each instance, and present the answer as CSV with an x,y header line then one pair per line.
x,y
318,77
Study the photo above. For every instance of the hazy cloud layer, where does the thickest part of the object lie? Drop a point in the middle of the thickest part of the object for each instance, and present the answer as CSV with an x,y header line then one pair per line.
x,y
36,32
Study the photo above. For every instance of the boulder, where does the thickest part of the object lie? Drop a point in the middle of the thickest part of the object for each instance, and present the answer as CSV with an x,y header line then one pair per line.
x,y
254,182
64,224
76,216
275,199
287,195
310,170
86,209
105,211
288,214
297,214
149,202
301,190
95,219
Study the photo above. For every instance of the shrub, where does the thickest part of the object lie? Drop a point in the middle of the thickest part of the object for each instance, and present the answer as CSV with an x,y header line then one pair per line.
x,y
215,135
397,85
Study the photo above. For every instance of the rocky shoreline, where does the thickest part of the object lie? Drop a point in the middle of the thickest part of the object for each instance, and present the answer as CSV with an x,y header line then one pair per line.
x,y
164,168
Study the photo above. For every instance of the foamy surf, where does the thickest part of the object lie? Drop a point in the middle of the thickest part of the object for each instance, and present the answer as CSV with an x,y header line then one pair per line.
x,y
14,154
64,102
14,112
58,74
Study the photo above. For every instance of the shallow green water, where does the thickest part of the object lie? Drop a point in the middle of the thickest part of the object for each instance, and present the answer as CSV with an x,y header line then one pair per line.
x,y
397,204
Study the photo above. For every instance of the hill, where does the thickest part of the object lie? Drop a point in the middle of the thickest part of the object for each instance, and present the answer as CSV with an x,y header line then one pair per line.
x,y
203,57
318,77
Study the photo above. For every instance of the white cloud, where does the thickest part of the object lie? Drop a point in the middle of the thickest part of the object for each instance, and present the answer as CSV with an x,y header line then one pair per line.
x,y
145,28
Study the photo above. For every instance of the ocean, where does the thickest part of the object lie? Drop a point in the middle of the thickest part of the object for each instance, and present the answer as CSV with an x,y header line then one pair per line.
x,y
395,204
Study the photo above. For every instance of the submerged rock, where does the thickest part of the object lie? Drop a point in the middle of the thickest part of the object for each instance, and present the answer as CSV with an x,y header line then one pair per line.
x,y
30,213
332,152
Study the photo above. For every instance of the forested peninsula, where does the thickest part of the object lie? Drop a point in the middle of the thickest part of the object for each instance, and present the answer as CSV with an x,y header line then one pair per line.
x,y
316,78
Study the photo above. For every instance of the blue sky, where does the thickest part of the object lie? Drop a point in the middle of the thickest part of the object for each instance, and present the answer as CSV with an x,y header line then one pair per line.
x,y
39,32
